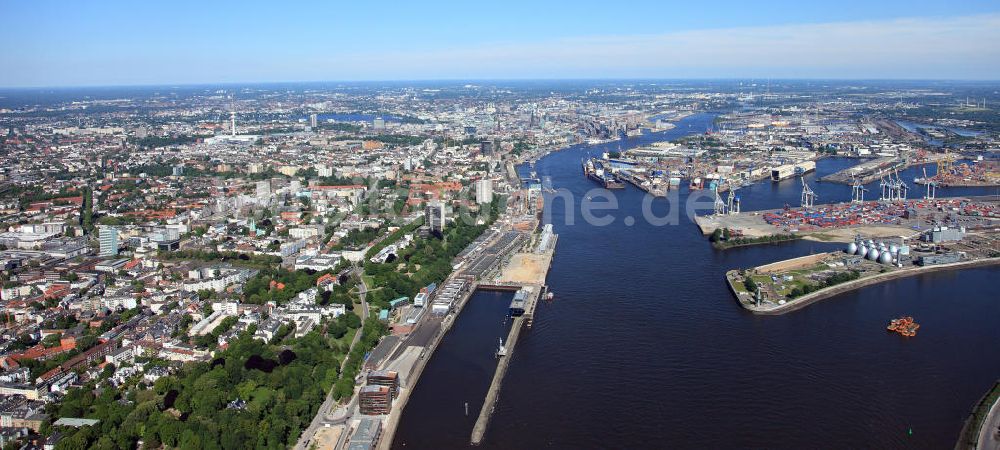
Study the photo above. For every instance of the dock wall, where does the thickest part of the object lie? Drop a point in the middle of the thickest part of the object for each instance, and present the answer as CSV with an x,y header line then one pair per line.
x,y
491,395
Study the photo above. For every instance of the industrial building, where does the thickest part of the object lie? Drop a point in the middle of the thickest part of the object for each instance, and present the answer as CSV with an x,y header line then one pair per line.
x,y
944,258
366,434
789,170
944,234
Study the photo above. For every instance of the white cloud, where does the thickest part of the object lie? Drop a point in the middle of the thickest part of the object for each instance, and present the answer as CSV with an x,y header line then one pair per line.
x,y
957,47
930,48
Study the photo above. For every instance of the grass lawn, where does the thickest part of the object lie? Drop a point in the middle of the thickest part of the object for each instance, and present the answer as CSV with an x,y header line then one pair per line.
x,y
826,237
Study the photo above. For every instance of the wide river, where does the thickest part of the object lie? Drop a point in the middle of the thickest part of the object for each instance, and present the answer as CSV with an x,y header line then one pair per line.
x,y
644,346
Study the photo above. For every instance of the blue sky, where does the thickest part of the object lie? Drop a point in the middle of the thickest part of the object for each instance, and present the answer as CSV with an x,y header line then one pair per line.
x,y
89,42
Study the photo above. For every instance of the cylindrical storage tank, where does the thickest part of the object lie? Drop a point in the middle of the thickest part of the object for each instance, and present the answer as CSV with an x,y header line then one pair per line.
x,y
852,248
885,258
893,249
862,251
871,243
873,254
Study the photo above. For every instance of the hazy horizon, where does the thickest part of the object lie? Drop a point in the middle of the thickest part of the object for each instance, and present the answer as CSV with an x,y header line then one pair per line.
x,y
757,81
115,43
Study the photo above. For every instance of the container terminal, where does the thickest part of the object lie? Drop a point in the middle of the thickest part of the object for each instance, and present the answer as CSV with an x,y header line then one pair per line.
x,y
842,221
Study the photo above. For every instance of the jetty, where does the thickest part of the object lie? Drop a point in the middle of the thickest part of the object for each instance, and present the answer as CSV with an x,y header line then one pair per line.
x,y
479,429
525,273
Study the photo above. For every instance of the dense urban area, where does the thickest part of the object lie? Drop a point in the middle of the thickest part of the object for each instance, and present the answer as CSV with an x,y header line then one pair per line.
x,y
271,266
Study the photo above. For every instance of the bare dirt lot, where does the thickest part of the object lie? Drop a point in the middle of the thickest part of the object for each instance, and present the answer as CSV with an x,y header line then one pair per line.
x,y
527,268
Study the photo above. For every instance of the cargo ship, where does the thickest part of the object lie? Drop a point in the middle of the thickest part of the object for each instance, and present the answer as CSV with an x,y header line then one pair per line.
x,y
595,170
651,181
787,171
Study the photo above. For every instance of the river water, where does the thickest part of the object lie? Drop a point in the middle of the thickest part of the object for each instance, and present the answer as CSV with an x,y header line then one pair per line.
x,y
644,345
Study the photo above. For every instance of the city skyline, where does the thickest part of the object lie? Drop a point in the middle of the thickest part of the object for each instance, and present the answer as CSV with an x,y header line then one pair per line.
x,y
116,44
439,225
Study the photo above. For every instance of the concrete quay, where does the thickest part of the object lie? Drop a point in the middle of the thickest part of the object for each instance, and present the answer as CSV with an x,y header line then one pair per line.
x,y
417,369
524,270
479,429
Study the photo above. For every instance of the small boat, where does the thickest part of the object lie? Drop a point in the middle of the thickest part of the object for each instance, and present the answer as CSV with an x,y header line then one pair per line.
x,y
501,350
549,296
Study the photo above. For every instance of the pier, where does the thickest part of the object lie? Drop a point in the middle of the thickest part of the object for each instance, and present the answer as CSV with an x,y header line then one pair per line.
x,y
866,172
870,171
479,429
525,272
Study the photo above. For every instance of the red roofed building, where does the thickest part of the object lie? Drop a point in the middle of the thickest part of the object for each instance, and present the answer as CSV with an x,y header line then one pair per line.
x,y
326,279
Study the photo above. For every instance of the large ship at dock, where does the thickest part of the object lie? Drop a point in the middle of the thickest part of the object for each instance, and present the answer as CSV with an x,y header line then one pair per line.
x,y
786,171
598,171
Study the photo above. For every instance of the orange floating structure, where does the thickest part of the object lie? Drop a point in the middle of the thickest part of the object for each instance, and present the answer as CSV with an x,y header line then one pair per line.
x,y
904,326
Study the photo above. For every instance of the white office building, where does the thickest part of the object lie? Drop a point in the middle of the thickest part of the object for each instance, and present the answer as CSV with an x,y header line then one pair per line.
x,y
484,191
108,238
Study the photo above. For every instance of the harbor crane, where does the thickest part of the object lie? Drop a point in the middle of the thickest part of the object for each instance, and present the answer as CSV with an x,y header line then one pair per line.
x,y
720,206
931,186
885,188
808,196
857,191
892,187
901,188
733,202
944,163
